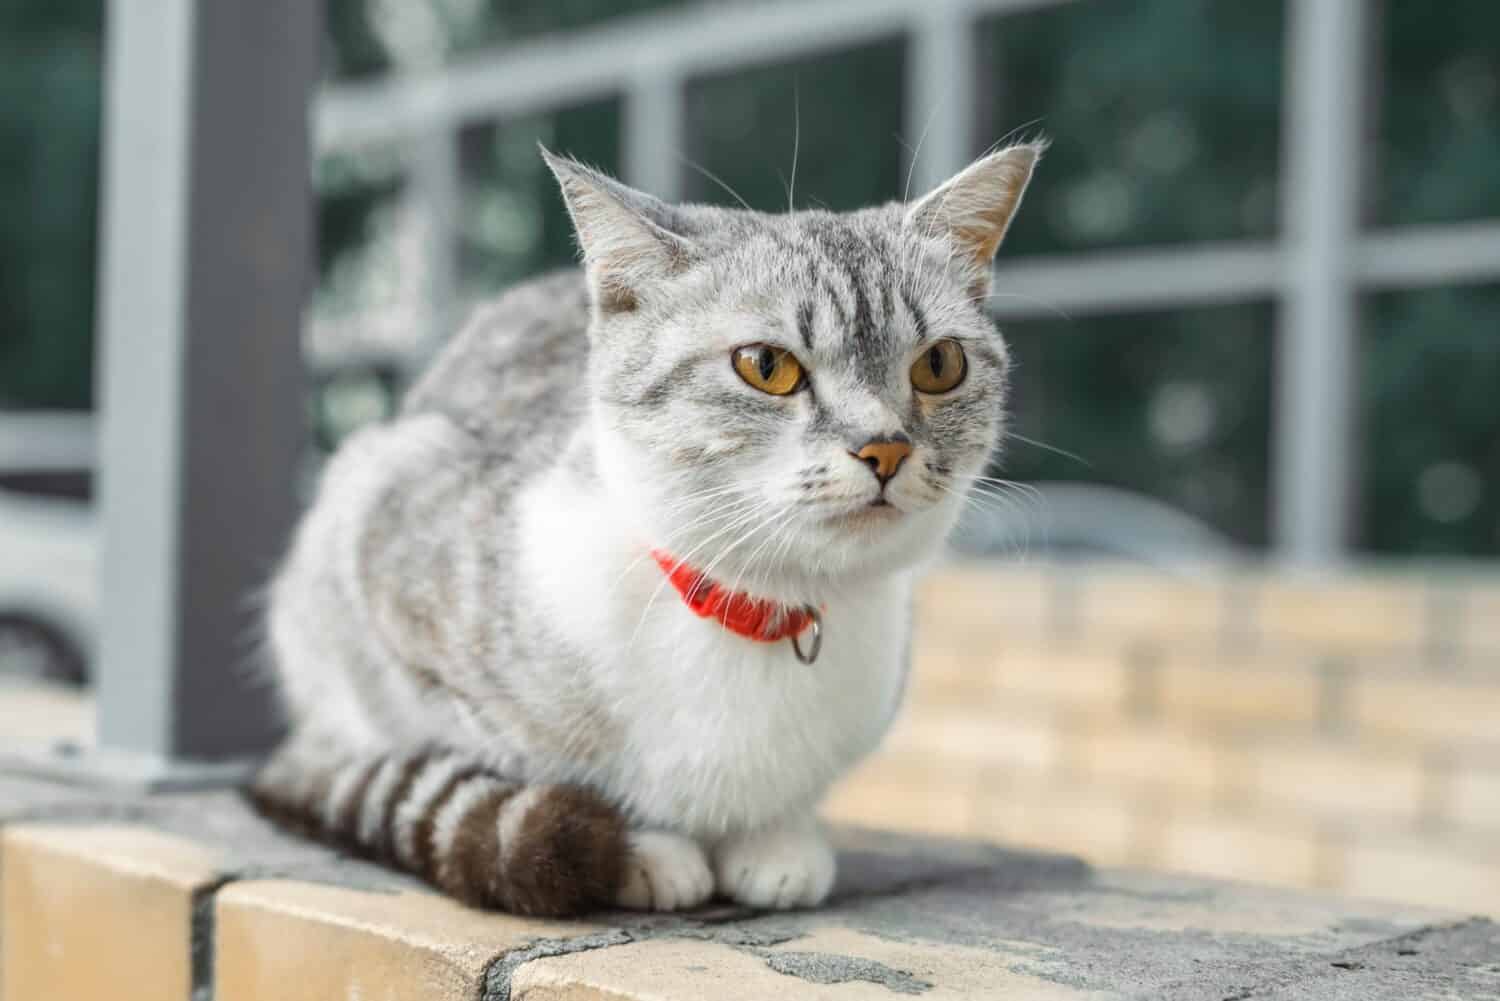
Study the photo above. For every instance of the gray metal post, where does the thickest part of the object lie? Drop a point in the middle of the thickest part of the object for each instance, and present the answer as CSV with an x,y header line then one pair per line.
x,y
1314,443
206,260
940,96
653,133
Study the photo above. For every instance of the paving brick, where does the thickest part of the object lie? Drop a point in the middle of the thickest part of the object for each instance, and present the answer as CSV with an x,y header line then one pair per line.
x,y
1473,799
832,963
1340,614
1428,710
98,912
1334,779
1244,694
1425,870
287,941
1239,847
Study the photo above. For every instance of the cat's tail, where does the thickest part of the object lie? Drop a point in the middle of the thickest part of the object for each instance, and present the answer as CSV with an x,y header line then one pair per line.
x,y
549,850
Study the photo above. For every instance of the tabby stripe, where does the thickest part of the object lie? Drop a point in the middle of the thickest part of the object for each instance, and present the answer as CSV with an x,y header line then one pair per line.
x,y
341,813
513,817
464,832
435,778
422,832
470,868
412,768
377,795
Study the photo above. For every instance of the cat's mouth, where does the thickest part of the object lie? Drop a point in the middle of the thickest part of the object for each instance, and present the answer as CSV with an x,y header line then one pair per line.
x,y
877,511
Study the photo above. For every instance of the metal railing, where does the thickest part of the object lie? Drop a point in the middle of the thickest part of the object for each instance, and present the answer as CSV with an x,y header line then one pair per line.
x,y
1316,268
207,249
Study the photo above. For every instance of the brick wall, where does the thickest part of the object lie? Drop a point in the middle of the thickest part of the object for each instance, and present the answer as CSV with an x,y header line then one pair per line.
x,y
1335,733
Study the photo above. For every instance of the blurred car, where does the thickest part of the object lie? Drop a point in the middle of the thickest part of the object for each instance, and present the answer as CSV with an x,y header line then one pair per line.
x,y
49,602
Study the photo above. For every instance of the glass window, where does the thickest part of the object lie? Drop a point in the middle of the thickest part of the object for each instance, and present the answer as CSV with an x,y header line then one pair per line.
x,y
1431,457
1164,117
742,128
1174,405
1439,112
512,222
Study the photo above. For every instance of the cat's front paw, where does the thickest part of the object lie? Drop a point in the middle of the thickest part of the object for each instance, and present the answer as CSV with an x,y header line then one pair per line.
x,y
778,868
664,872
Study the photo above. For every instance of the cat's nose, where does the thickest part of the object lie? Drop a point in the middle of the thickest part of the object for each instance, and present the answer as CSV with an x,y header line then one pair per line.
x,y
884,456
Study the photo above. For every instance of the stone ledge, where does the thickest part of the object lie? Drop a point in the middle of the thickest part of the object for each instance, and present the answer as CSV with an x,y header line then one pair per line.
x,y
97,889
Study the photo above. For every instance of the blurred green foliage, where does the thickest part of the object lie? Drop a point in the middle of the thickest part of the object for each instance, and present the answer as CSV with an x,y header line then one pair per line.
x,y
1164,117
1175,405
49,177
511,221
841,113
1166,122
1431,382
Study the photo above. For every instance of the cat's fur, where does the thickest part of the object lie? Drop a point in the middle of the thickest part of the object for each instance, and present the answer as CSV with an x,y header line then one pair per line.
x,y
491,682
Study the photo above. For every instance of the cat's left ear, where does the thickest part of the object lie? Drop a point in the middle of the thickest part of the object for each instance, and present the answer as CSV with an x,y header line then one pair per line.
x,y
973,209
624,234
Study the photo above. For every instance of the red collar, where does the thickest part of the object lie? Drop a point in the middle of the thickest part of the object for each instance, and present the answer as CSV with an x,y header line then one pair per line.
x,y
753,618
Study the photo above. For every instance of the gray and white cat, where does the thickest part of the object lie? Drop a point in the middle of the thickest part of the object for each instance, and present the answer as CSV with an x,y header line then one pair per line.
x,y
491,630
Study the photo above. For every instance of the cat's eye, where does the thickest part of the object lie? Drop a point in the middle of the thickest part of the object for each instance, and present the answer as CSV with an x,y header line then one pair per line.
x,y
940,368
770,370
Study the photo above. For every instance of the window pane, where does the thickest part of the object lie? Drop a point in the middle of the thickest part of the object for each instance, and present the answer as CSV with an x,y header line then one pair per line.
x,y
512,222
1432,422
1172,405
1440,112
742,127
1164,116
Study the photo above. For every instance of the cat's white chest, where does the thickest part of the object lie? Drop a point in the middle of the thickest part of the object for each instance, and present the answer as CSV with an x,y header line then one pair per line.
x,y
728,733
711,731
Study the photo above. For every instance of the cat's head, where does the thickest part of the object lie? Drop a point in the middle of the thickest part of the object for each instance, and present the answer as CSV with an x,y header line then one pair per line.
x,y
785,399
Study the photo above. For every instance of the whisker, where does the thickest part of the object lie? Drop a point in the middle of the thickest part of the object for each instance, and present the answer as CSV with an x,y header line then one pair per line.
x,y
1050,448
716,179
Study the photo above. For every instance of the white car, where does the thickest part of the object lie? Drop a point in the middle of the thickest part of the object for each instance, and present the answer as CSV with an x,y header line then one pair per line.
x,y
49,594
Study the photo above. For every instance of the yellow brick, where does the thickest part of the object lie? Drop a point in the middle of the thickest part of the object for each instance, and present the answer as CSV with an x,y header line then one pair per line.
x,y
1474,798
1155,756
1258,694
98,912
1482,621
1098,823
958,735
902,796
1233,847
1091,681
982,606
286,941
1336,780
942,673
1429,710
1342,614
1152,605
1427,871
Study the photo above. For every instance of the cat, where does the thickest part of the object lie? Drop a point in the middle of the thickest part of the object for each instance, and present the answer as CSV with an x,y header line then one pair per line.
x,y
626,585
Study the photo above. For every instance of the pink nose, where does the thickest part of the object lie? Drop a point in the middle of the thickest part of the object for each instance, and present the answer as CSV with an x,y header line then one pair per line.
x,y
883,457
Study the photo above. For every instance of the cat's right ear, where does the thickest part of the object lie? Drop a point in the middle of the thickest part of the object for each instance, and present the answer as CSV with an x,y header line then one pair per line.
x,y
623,234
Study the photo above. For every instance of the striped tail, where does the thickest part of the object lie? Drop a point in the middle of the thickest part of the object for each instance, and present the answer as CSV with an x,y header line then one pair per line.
x,y
547,850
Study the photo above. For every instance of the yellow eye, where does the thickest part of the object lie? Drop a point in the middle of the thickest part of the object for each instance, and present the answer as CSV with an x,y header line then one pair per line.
x,y
770,370
941,368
